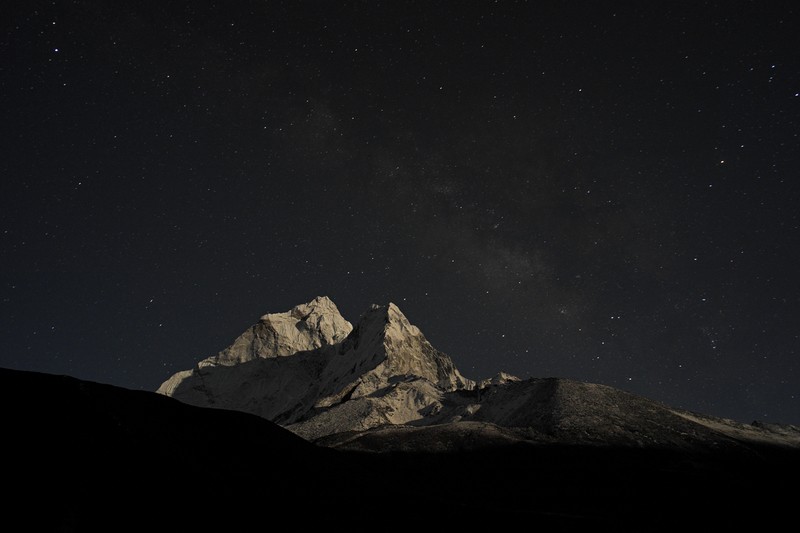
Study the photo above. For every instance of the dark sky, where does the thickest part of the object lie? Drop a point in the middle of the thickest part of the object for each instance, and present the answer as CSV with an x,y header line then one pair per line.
x,y
600,191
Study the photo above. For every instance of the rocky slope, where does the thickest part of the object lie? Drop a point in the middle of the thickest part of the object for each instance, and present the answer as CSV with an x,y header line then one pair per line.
x,y
561,411
382,386
383,371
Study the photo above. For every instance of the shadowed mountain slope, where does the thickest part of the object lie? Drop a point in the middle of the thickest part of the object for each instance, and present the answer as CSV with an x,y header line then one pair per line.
x,y
81,456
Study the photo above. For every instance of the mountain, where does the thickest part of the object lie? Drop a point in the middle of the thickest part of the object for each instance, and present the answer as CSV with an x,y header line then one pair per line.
x,y
383,371
381,386
560,454
287,421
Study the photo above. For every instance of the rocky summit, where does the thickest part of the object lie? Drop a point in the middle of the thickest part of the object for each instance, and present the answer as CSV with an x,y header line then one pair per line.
x,y
381,386
309,370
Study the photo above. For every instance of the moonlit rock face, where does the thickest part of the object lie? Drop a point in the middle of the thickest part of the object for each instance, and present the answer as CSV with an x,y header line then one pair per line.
x,y
309,370
306,327
392,373
406,350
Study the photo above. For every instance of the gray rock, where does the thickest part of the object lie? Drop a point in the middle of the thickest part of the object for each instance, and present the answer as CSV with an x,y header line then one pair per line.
x,y
306,327
316,383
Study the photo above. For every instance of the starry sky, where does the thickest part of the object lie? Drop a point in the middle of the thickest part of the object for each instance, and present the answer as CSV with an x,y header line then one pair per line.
x,y
603,191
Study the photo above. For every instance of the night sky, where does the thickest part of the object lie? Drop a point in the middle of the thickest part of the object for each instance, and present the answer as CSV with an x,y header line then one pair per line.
x,y
599,191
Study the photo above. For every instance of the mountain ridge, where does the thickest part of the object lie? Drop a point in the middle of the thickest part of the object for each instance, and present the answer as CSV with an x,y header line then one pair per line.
x,y
383,349
384,379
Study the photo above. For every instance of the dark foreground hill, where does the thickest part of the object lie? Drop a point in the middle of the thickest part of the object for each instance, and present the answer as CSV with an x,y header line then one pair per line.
x,y
84,456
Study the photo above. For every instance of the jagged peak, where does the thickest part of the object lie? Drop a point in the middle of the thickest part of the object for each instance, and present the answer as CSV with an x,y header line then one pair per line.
x,y
389,319
319,305
500,378
305,327
385,330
